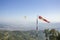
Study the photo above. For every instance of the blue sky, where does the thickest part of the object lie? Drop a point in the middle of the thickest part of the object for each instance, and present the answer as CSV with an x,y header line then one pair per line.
x,y
15,10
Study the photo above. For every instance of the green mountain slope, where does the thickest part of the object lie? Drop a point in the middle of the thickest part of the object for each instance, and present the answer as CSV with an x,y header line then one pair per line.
x,y
20,35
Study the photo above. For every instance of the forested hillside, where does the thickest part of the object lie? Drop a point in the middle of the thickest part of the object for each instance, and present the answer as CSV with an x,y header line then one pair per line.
x,y
20,35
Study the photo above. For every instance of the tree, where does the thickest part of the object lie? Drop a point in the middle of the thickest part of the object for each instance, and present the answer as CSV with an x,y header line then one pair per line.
x,y
53,34
58,37
46,31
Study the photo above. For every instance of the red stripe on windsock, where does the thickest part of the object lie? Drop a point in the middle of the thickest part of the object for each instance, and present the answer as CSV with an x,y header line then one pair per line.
x,y
40,17
46,20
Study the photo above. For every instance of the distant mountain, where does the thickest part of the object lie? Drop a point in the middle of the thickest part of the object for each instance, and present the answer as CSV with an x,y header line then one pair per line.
x,y
32,26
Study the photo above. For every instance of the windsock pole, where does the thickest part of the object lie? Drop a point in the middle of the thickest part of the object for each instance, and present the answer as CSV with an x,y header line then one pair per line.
x,y
37,28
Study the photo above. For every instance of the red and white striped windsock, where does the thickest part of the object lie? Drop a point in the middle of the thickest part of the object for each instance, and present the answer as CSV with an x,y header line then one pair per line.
x,y
40,17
